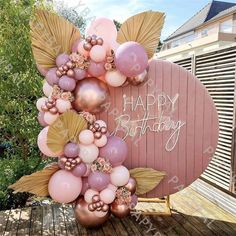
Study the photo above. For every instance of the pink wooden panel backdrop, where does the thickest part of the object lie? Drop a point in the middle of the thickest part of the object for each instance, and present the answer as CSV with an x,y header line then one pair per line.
x,y
198,135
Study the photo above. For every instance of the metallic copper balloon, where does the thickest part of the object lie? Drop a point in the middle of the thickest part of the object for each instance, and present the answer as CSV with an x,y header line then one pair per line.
x,y
119,210
91,95
139,79
131,185
86,217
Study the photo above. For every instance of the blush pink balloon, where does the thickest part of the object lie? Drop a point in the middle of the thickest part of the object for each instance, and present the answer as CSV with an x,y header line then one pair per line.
x,y
88,153
131,59
63,105
79,170
50,118
75,45
98,180
62,59
115,78
66,83
64,187
97,53
80,74
86,137
115,150
40,103
47,89
104,28
88,172
85,185
107,195
96,69
52,77
42,143
81,49
41,119
119,176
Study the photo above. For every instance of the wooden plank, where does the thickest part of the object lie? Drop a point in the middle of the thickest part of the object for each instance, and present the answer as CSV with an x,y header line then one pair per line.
x,y
4,215
108,229
119,227
36,221
59,220
48,225
12,222
24,222
70,221
130,226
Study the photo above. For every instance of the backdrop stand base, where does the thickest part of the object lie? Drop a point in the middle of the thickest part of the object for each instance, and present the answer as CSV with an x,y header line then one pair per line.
x,y
165,201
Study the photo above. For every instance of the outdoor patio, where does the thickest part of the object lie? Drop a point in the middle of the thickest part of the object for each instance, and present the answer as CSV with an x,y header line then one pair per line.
x,y
192,215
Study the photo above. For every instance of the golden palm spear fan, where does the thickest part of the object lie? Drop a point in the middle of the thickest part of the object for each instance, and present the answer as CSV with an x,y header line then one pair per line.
x,y
147,179
144,28
51,35
65,129
37,183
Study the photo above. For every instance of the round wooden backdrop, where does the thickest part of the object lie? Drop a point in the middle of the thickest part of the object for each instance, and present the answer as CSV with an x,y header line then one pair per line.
x,y
170,124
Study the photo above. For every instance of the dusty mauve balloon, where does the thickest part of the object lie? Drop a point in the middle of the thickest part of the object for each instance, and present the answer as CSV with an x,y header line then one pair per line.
x,y
66,83
51,77
86,217
79,73
79,170
85,185
131,59
120,210
96,69
62,59
90,95
71,150
98,180
115,150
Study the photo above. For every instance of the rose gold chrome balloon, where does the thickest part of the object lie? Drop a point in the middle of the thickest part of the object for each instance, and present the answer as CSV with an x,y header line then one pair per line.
x,y
91,94
86,217
131,185
119,210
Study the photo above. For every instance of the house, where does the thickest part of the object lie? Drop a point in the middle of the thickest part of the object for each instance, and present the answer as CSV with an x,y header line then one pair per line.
x,y
212,27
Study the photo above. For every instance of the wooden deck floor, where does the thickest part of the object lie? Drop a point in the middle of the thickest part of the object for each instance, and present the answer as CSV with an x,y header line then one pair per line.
x,y
192,215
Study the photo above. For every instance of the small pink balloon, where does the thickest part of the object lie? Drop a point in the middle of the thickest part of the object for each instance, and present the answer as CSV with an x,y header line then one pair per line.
x,y
88,172
47,89
115,78
85,185
42,143
81,49
71,150
50,118
41,119
89,195
41,70
98,180
120,176
101,142
88,153
62,59
96,69
80,74
64,187
97,53
86,137
66,83
75,45
52,77
112,187
63,105
107,195
79,170
40,103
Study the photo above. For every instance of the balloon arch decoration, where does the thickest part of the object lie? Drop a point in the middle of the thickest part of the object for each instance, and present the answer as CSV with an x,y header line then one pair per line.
x,y
85,79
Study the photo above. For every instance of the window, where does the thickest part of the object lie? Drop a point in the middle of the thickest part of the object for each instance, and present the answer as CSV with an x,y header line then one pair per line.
x,y
226,26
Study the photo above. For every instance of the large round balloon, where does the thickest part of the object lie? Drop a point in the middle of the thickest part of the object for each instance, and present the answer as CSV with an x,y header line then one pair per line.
x,y
64,187
91,95
86,217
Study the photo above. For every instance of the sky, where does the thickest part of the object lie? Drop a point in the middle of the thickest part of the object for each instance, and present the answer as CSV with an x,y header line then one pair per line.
x,y
177,11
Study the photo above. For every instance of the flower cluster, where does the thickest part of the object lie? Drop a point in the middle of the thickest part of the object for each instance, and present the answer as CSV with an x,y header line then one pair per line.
x,y
102,165
59,93
123,196
79,61
90,118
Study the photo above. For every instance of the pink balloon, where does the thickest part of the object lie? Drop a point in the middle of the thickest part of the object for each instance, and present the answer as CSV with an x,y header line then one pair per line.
x,y
98,180
66,83
86,137
80,74
81,49
62,59
107,195
50,118
47,89
88,153
85,186
104,28
115,150
120,176
131,59
98,53
96,69
64,187
79,170
88,195
40,103
42,143
71,150
41,119
52,77
101,142
114,78
75,45
41,70
63,105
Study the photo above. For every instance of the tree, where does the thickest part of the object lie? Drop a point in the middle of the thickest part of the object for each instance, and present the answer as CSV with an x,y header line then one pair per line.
x,y
117,24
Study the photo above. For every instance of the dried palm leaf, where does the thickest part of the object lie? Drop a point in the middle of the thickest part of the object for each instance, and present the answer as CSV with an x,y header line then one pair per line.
x,y
65,129
50,36
147,179
37,183
144,28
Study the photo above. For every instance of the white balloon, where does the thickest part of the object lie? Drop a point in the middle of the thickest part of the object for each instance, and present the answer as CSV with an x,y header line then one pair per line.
x,y
40,103
101,142
50,118
86,137
89,195
63,105
88,153
119,176
115,78
47,89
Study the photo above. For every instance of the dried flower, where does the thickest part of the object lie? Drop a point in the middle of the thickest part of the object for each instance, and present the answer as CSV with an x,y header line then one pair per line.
x,y
90,118
79,61
123,196
102,165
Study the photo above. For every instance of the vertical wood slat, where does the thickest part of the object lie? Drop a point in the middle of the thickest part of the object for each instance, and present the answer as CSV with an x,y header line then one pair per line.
x,y
216,70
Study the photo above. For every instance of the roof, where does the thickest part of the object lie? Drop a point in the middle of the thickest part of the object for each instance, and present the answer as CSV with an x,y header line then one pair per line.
x,y
211,11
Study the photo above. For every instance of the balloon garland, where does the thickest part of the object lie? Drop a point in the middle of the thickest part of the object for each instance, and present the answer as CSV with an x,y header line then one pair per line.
x,y
90,170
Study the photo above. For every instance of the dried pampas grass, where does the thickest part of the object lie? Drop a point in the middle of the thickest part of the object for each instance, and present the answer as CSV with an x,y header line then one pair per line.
x,y
65,129
37,183
147,179
51,35
144,28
